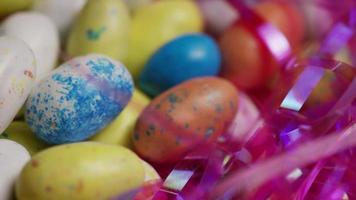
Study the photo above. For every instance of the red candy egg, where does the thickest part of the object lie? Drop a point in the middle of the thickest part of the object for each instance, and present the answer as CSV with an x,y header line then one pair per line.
x,y
194,112
246,62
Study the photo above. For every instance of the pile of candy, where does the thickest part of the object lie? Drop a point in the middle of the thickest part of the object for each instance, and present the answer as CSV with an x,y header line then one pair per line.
x,y
177,99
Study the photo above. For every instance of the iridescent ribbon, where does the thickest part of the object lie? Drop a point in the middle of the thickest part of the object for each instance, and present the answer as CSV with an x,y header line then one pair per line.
x,y
272,39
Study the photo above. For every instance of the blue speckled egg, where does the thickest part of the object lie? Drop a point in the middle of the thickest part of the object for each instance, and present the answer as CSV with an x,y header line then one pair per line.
x,y
78,99
184,58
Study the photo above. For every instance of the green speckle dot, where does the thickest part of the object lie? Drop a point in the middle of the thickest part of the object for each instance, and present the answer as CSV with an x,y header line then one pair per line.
x,y
173,98
136,136
209,132
4,135
95,34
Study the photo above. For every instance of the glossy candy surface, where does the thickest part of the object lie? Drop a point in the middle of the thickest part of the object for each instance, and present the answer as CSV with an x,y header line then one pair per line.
x,y
78,99
43,40
13,157
181,59
18,73
193,112
102,27
86,170
167,20
245,62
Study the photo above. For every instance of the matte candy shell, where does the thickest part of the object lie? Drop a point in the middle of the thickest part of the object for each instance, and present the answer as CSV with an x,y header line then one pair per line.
x,y
17,75
80,171
21,133
120,130
9,6
157,23
54,9
40,33
78,99
12,158
102,27
193,112
150,173
218,15
184,58
137,4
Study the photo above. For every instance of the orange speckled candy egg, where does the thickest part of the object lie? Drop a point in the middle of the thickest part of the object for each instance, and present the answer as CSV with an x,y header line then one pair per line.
x,y
245,62
193,112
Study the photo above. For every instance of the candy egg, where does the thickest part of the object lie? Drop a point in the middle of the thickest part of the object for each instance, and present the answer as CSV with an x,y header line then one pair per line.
x,y
157,23
78,171
245,62
78,99
43,40
193,112
136,4
54,9
21,133
102,27
150,173
17,75
12,158
9,6
119,131
181,59
218,15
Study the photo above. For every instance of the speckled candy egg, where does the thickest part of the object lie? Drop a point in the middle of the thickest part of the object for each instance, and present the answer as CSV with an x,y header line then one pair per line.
x,y
80,171
157,23
102,27
184,58
193,112
12,159
40,33
119,131
54,9
78,99
17,75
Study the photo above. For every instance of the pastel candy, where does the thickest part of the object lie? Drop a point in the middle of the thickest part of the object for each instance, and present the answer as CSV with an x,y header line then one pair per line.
x,y
12,158
119,131
41,35
78,99
183,58
17,75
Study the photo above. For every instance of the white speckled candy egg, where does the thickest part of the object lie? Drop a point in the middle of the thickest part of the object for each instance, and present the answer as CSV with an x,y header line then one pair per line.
x,y
13,157
55,10
78,99
40,33
17,76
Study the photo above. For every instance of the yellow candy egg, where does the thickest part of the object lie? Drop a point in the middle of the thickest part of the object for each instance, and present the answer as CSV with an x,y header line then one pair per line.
x,y
80,171
120,130
21,133
102,27
10,6
157,23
